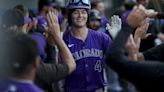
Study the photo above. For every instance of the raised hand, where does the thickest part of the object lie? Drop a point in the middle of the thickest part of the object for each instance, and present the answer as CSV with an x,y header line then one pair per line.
x,y
136,17
115,26
53,30
141,31
132,47
53,25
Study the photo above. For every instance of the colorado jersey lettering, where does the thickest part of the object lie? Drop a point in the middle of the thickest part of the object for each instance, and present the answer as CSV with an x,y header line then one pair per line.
x,y
84,53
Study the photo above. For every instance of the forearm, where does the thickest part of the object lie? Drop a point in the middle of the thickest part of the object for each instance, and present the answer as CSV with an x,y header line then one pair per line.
x,y
156,53
136,72
50,73
144,75
65,53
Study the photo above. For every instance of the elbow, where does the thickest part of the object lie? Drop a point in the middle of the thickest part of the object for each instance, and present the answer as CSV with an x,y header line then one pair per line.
x,y
72,66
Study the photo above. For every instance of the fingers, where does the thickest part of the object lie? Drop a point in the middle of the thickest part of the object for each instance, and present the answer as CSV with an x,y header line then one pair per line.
x,y
142,30
52,17
53,10
137,42
119,20
48,19
50,14
136,17
131,40
147,13
112,20
130,43
142,11
108,27
116,23
144,26
115,20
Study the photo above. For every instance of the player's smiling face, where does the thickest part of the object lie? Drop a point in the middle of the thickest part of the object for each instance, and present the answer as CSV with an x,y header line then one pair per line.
x,y
79,17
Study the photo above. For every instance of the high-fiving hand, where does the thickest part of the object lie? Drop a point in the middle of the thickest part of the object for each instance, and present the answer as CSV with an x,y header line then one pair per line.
x,y
53,24
115,26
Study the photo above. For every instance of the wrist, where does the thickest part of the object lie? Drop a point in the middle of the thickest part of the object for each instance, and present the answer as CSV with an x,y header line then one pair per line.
x,y
131,53
57,37
133,57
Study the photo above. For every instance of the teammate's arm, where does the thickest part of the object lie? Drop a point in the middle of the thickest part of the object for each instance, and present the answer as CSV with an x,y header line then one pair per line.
x,y
145,75
54,31
134,44
50,73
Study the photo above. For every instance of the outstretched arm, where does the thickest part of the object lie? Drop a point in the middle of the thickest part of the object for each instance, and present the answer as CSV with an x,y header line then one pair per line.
x,y
54,32
145,75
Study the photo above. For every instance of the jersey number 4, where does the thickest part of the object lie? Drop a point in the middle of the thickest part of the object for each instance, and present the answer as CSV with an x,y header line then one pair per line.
x,y
97,66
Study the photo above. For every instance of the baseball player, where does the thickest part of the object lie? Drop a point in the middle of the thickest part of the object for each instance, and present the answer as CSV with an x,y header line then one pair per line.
x,y
20,60
95,20
88,49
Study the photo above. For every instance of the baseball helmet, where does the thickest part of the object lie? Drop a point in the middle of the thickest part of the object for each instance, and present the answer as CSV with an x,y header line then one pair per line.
x,y
94,14
74,4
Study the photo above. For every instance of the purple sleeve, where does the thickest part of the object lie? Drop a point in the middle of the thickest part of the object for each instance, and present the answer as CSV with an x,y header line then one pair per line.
x,y
104,21
124,16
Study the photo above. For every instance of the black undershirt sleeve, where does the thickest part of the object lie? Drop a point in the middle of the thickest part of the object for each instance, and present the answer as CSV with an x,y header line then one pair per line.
x,y
156,53
50,73
145,75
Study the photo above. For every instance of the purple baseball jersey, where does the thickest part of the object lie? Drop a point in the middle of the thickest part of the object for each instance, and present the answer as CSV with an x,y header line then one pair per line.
x,y
89,56
104,22
18,86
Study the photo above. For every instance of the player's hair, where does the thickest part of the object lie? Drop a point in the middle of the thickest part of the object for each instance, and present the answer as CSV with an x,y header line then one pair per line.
x,y
42,3
12,18
32,14
22,8
18,51
94,3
